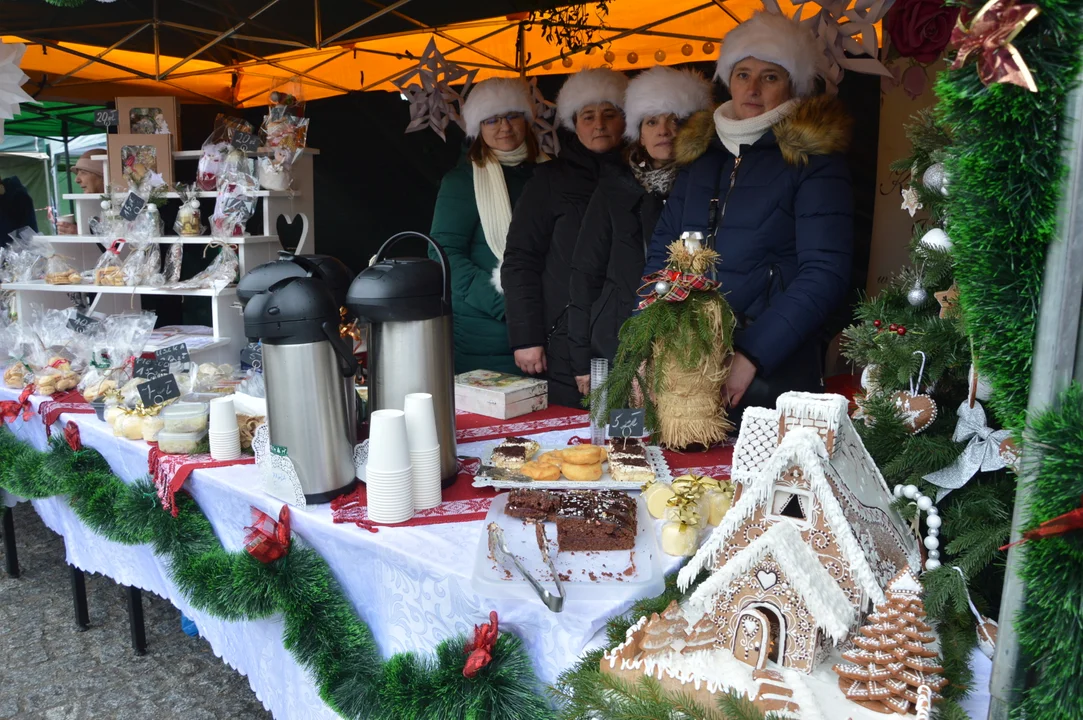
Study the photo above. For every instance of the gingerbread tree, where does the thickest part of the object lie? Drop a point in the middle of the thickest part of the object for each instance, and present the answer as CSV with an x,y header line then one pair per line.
x,y
702,636
892,658
664,632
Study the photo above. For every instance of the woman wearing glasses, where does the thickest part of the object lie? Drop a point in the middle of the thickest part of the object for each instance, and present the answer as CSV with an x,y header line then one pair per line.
x,y
473,212
545,228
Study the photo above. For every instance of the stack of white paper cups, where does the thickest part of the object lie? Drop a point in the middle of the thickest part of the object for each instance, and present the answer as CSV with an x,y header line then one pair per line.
x,y
223,434
388,477
424,450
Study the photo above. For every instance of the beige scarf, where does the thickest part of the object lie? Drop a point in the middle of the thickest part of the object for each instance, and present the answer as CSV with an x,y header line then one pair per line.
x,y
491,193
734,133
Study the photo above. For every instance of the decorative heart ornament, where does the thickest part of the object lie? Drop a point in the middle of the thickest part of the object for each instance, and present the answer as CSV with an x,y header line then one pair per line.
x,y
767,579
292,233
918,411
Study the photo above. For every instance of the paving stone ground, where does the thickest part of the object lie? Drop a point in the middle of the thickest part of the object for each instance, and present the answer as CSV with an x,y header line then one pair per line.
x,y
48,671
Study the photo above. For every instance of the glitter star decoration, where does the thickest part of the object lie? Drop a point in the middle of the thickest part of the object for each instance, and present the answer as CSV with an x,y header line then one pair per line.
x,y
545,122
434,102
910,200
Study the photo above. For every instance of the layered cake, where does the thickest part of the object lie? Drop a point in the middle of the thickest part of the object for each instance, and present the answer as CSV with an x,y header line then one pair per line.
x,y
628,461
514,452
585,519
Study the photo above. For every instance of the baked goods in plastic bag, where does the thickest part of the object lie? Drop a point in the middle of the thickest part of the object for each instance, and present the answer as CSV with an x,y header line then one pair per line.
x,y
109,269
144,261
215,150
189,221
276,170
58,271
118,340
23,261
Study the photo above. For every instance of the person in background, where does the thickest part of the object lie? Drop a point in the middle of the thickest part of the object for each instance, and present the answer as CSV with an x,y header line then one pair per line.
x,y
16,209
768,185
545,228
607,266
473,212
90,175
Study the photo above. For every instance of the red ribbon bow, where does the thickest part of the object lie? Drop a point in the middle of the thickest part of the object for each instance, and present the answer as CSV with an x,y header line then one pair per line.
x,y
268,540
10,409
116,246
479,651
990,36
1066,523
71,435
680,286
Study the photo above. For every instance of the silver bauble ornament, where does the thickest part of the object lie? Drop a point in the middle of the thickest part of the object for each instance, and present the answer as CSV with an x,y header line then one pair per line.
x,y
935,178
662,288
917,295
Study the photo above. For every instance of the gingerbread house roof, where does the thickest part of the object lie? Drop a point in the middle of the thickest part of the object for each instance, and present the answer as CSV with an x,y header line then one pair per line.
x,y
783,542
805,448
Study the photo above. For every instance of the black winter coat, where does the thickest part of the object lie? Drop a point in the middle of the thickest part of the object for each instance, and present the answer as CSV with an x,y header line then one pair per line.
x,y
785,234
538,257
607,267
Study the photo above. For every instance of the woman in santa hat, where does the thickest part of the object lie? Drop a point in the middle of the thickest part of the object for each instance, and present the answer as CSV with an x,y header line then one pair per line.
x,y
473,212
545,227
768,185
607,267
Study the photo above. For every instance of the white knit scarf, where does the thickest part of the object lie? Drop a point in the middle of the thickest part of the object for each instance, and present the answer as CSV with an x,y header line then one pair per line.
x,y
491,193
734,133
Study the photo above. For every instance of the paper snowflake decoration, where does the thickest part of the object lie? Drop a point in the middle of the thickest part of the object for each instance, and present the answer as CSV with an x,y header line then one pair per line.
x,y
11,82
545,121
845,35
433,101
911,203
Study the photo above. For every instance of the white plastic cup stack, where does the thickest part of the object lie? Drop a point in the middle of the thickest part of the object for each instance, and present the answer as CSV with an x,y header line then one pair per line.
x,y
223,434
388,476
424,450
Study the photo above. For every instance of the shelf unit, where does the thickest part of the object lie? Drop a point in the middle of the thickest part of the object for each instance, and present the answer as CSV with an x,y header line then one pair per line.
x,y
227,323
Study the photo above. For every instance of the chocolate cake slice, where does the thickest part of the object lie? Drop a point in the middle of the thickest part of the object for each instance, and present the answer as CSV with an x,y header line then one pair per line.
x,y
514,452
532,504
628,461
596,520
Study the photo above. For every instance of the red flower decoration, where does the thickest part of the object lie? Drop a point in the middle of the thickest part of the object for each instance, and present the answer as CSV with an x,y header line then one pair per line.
x,y
479,651
920,29
268,540
10,409
71,435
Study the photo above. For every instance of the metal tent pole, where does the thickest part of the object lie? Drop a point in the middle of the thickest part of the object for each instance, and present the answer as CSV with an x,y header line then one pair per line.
x,y
67,156
1058,359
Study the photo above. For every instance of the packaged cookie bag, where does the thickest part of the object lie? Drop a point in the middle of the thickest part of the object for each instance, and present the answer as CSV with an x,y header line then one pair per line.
x,y
58,271
144,262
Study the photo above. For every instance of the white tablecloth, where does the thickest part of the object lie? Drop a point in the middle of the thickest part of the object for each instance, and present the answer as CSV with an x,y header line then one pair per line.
x,y
410,585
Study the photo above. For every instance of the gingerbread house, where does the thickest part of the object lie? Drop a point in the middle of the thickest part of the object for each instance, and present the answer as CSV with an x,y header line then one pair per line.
x,y
794,567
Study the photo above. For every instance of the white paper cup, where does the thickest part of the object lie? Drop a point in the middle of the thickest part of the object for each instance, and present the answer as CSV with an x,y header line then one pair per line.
x,y
388,449
223,416
420,422
390,517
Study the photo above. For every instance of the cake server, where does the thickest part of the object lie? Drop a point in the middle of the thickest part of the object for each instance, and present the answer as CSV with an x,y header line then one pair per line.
x,y
498,546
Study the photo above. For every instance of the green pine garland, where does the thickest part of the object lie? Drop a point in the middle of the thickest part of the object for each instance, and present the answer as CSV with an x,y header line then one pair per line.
x,y
321,629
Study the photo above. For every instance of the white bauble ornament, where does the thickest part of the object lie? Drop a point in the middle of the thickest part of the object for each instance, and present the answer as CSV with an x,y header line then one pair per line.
x,y
934,554
898,490
933,521
933,532
936,239
932,543
917,295
935,178
933,511
932,564
910,491
106,204
924,503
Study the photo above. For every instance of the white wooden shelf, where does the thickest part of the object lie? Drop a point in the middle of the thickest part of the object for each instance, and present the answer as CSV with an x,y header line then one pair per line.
x,y
196,154
42,286
165,239
204,194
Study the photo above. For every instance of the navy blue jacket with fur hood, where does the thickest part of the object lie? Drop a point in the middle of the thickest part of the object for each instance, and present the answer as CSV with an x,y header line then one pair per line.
x,y
785,235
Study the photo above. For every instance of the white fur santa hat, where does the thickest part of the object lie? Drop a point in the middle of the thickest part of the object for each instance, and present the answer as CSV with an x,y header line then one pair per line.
x,y
589,87
662,91
777,39
493,97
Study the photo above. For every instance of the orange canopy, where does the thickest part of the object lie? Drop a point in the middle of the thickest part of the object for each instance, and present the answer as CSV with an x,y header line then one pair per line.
x,y
635,34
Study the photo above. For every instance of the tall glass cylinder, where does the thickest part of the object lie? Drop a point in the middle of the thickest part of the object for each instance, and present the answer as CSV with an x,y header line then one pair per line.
x,y
599,372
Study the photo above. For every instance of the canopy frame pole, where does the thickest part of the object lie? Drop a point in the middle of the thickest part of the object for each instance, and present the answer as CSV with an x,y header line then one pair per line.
x,y
520,50
103,53
366,20
302,42
318,21
486,36
222,36
157,47
1058,359
722,6
67,155
100,60
237,36
96,26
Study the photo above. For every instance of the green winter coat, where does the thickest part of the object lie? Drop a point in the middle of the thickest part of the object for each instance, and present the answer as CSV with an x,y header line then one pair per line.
x,y
481,334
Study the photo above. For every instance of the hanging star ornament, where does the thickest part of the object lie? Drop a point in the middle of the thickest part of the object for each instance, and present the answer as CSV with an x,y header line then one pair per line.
x,y
545,122
990,37
949,302
434,102
11,81
910,200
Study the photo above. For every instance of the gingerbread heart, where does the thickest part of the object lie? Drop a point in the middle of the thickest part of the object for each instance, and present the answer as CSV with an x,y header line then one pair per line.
x,y
917,411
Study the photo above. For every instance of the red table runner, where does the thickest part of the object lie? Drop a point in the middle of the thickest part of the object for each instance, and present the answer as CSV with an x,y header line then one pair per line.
x,y
474,428
71,401
170,471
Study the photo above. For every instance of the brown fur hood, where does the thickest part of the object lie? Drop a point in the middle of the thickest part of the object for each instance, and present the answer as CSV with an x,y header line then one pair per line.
x,y
819,126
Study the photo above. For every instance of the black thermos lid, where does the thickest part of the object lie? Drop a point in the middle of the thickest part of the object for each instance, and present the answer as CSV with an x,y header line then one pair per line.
x,y
329,269
291,312
402,289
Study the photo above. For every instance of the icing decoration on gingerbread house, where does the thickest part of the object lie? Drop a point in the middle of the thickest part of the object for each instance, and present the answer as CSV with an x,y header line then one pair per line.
x,y
795,566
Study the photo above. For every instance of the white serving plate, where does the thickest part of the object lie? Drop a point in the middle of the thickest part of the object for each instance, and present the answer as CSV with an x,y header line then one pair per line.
x,y
654,456
637,571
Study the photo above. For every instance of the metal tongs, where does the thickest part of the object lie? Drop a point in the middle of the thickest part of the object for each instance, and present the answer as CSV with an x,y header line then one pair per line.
x,y
498,546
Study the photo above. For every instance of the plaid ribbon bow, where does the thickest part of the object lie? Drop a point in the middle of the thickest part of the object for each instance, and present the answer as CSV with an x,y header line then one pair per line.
x,y
680,286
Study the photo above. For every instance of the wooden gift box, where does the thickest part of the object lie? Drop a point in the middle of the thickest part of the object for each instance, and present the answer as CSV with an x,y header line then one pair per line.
x,y
131,109
157,155
498,395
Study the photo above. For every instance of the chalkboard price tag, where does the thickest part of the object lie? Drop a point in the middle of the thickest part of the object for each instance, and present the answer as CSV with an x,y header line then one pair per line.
x,y
151,369
173,354
158,391
252,356
82,323
626,423
106,118
244,141
133,205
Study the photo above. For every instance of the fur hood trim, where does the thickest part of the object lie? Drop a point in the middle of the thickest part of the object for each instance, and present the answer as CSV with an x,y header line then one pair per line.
x,y
496,277
661,91
494,97
819,126
588,87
